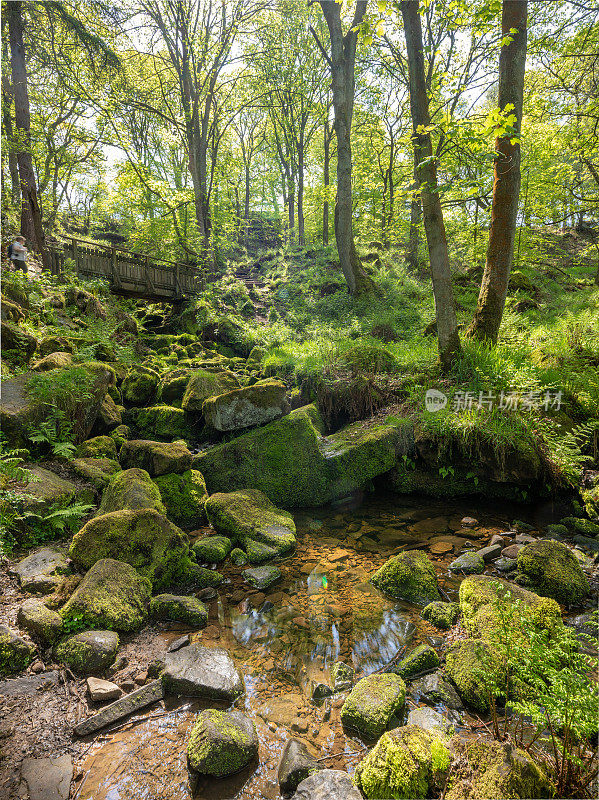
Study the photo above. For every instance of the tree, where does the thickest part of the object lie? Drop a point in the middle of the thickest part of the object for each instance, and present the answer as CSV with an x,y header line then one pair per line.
x,y
426,166
31,213
506,186
341,61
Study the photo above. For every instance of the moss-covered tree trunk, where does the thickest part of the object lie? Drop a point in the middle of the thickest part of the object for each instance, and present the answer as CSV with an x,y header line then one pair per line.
x,y
506,186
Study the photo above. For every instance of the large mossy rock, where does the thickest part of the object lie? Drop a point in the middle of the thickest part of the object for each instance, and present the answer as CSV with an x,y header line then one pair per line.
x,y
173,385
96,471
407,762
488,770
249,518
420,659
164,422
46,490
408,576
88,652
145,539
204,384
244,408
109,416
222,743
112,596
140,386
16,653
17,344
157,458
551,569
212,549
98,447
179,608
372,703
480,596
39,621
472,667
19,411
184,496
52,361
295,466
130,490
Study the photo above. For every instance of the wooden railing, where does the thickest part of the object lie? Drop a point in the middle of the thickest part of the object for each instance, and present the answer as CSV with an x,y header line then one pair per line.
x,y
129,273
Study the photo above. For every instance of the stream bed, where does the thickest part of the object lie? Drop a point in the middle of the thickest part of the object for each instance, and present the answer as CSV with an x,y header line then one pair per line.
x,y
285,639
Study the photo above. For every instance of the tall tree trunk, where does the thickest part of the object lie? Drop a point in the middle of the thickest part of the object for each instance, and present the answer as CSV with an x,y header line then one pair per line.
x,y
7,102
447,326
31,214
301,236
342,64
246,203
506,186
327,182
415,221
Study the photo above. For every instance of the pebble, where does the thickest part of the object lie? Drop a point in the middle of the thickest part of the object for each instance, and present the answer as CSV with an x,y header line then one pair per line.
x,y
468,522
100,691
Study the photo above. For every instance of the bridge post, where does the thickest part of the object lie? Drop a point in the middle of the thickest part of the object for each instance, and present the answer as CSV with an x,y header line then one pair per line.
x,y
113,268
76,254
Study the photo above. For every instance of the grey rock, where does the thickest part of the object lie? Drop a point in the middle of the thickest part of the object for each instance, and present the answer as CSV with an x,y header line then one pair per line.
x,y
182,641
430,720
435,688
506,564
41,571
469,522
88,652
320,691
29,685
46,778
497,539
140,698
469,563
222,743
296,764
525,538
101,691
491,552
262,577
198,671
342,676
328,784
512,550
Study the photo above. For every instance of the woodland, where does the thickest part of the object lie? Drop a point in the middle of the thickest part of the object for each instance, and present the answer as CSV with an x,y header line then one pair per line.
x,y
299,477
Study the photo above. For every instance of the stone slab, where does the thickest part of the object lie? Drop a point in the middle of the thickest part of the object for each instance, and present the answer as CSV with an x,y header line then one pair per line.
x,y
46,778
140,698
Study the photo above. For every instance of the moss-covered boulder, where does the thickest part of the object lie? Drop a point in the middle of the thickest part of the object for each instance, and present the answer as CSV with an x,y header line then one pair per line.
x,y
372,703
488,770
238,557
165,422
173,385
98,447
222,743
204,384
16,653
469,563
88,652
407,762
420,659
144,538
441,615
369,357
246,407
472,667
109,416
112,596
248,517
140,386
46,490
179,608
54,344
408,576
120,435
53,361
551,569
17,343
184,497
295,466
130,490
96,471
39,621
481,594
212,549
157,458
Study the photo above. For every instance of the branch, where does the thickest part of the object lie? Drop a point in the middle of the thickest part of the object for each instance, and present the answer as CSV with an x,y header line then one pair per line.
x,y
324,53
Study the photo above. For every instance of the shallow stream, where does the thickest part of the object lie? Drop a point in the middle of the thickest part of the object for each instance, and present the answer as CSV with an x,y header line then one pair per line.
x,y
285,640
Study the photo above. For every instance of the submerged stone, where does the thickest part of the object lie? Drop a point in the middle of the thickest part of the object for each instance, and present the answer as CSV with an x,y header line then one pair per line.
x,y
372,703
222,743
262,577
408,576
295,765
342,676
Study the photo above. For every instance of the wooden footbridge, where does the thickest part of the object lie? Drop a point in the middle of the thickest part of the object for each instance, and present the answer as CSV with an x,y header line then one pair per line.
x,y
130,274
